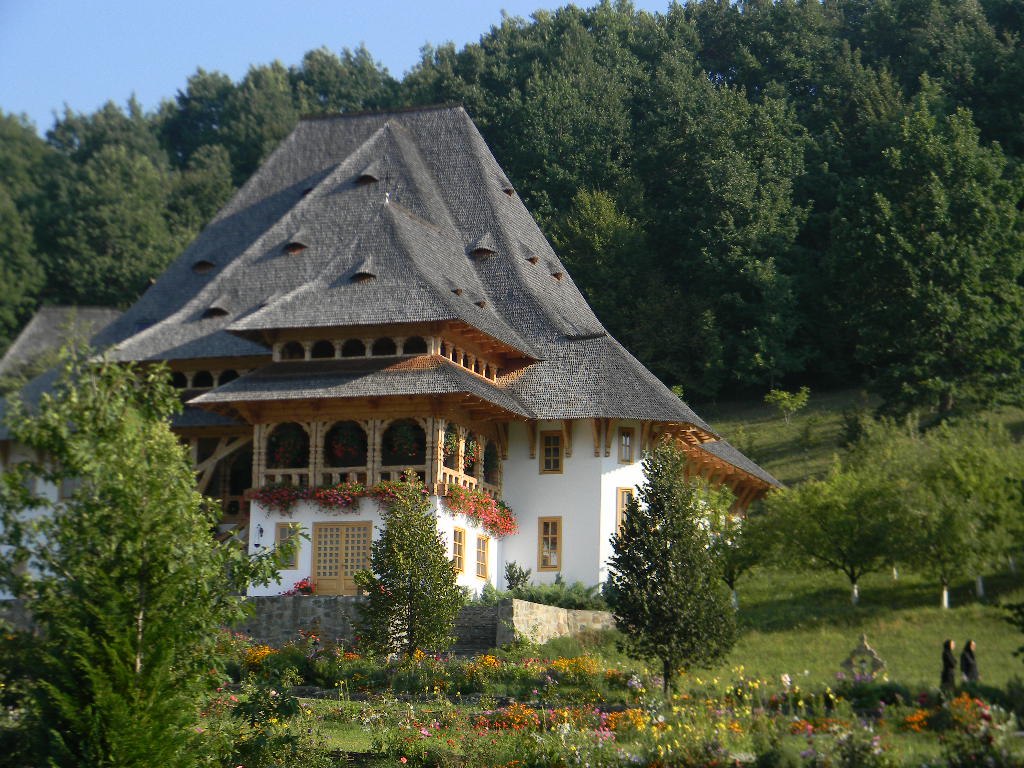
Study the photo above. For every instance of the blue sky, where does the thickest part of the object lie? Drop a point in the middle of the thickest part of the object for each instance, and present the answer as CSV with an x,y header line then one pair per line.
x,y
84,52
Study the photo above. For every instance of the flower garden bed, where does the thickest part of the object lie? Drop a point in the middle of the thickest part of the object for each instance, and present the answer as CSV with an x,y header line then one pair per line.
x,y
518,708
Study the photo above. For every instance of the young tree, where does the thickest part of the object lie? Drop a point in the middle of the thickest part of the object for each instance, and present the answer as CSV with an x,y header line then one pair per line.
x,y
736,540
663,582
124,579
412,596
788,403
844,523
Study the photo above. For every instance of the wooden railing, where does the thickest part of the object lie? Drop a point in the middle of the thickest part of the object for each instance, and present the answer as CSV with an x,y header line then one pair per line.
x,y
337,475
297,477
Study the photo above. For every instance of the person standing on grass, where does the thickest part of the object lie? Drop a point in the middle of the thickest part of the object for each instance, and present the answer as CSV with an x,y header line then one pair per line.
x,y
969,664
948,680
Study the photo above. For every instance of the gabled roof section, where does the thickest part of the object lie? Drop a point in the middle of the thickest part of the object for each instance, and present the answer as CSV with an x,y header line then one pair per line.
x,y
50,327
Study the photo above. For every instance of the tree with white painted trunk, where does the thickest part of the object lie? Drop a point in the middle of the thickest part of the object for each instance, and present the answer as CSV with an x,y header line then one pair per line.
x,y
843,522
962,498
736,540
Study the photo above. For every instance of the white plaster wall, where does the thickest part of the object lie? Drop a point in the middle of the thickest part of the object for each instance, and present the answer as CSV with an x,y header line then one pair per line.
x,y
614,476
446,523
305,513
47,490
574,495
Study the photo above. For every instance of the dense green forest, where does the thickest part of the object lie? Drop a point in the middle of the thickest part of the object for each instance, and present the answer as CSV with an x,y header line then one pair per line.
x,y
750,194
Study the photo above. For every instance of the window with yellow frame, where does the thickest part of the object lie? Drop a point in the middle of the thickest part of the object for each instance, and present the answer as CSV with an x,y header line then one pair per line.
x,y
459,550
622,498
285,532
627,448
549,544
482,569
551,454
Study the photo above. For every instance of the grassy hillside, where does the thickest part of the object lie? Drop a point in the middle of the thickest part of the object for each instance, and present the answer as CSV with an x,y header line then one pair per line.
x,y
803,448
794,623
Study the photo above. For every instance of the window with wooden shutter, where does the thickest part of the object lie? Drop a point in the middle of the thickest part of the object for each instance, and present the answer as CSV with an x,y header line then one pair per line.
x,y
459,550
481,556
549,552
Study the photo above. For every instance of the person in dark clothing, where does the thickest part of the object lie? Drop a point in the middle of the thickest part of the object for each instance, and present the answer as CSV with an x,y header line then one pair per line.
x,y
948,680
969,664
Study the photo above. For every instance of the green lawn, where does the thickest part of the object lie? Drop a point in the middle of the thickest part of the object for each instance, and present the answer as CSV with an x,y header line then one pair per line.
x,y
797,622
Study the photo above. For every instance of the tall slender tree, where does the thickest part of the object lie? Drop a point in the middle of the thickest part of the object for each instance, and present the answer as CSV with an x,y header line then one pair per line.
x,y
664,582
412,596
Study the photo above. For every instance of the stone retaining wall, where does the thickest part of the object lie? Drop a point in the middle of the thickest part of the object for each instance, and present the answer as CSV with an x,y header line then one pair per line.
x,y
276,620
541,623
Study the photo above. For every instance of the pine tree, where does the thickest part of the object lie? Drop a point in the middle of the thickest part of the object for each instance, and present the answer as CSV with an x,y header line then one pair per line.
x,y
412,598
664,583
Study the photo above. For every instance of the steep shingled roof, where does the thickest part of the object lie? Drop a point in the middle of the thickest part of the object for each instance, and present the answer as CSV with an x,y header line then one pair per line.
x,y
413,205
50,327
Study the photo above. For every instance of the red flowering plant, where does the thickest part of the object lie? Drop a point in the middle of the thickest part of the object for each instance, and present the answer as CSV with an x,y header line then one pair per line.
x,y
346,445
304,586
472,454
490,514
341,496
279,496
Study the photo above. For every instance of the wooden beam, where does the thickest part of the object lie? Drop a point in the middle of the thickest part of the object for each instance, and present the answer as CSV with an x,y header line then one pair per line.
x,y
225,447
567,436
531,437
595,426
609,429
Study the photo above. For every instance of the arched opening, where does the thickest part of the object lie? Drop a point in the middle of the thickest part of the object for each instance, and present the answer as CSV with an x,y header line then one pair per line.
x,y
322,349
363,277
345,445
414,345
202,266
179,380
404,443
294,247
492,469
451,447
293,350
226,376
214,312
353,348
202,379
472,454
288,447
384,346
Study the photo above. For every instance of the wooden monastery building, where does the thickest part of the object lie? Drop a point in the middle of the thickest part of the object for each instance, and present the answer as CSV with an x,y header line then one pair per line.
x,y
377,298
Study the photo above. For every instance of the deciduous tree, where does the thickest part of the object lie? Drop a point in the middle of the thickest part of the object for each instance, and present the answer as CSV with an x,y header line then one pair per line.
x,y
123,576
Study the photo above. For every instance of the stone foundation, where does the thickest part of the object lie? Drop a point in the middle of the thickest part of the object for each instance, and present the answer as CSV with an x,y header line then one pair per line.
x,y
541,623
276,620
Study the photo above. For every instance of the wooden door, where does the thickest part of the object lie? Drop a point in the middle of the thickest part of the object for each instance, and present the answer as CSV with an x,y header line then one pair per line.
x,y
339,550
